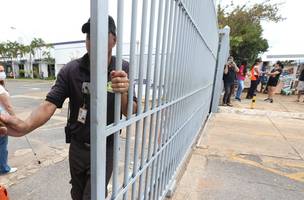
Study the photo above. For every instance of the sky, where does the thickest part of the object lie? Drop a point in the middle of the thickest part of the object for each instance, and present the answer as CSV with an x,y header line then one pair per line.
x,y
61,20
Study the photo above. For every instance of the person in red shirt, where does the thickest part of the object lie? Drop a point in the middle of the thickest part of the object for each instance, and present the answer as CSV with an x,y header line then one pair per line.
x,y
241,75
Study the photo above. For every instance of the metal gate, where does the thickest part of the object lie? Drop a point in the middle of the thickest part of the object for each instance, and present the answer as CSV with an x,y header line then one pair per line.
x,y
151,145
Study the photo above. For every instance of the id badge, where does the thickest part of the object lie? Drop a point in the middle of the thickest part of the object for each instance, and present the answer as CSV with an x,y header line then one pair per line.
x,y
82,115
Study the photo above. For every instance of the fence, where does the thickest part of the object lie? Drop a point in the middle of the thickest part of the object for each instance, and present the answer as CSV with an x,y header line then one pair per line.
x,y
151,145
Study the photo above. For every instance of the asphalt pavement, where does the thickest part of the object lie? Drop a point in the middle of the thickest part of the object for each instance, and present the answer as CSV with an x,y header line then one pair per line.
x,y
232,160
47,142
248,154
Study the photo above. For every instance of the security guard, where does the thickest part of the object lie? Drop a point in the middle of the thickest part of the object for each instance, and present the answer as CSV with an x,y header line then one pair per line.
x,y
73,82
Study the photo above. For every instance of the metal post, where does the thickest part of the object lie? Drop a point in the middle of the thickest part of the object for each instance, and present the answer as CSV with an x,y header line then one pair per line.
x,y
98,59
157,77
130,93
120,6
140,84
147,93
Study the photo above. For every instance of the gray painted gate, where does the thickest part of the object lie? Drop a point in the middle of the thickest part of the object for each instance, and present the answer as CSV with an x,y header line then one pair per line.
x,y
151,145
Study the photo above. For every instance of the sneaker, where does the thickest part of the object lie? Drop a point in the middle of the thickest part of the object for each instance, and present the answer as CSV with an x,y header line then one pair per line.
x,y
271,100
12,170
238,99
229,104
266,99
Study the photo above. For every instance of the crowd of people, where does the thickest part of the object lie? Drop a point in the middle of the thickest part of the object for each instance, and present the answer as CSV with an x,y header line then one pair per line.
x,y
235,76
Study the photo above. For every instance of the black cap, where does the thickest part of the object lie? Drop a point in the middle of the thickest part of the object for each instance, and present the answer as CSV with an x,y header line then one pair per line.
x,y
112,27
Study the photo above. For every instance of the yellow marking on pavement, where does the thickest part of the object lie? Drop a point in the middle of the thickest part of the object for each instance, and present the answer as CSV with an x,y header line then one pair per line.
x,y
293,165
255,164
298,175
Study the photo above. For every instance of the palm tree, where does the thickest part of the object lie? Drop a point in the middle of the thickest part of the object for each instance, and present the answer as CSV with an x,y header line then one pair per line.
x,y
13,50
37,46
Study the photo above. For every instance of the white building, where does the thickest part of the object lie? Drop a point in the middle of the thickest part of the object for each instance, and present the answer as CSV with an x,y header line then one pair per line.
x,y
64,52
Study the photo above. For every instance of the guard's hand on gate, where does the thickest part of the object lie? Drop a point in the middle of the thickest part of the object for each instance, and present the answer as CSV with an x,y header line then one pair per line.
x,y
120,81
13,126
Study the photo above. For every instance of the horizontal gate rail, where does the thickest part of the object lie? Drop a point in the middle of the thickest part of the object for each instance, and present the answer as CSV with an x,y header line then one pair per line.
x,y
124,123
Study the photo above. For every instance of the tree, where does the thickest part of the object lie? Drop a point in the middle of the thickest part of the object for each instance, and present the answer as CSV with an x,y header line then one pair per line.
x,y
246,41
14,51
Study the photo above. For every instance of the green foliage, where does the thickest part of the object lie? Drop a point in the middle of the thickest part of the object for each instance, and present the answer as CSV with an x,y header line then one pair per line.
x,y
14,50
246,39
21,73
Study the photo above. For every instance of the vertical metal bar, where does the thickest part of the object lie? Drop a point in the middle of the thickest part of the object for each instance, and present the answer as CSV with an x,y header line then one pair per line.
x,y
179,141
98,61
176,64
186,65
117,113
156,79
147,93
130,92
173,116
140,84
175,44
165,51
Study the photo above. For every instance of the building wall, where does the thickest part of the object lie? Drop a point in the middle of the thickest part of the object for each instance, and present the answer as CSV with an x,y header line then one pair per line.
x,y
64,53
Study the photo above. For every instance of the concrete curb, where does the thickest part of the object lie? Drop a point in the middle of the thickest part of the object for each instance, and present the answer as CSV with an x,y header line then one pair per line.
x,y
268,113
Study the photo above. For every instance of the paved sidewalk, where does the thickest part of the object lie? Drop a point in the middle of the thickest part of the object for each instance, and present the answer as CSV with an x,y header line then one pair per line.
x,y
281,103
248,154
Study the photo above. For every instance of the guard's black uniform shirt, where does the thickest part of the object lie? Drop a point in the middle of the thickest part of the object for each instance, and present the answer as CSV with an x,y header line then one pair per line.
x,y
69,85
